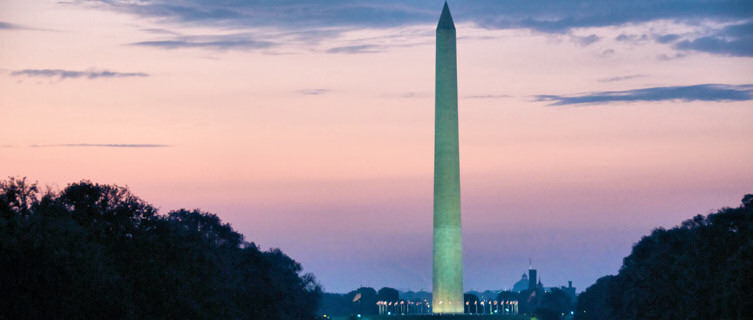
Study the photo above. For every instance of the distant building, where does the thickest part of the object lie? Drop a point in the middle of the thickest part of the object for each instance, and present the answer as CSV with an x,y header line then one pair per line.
x,y
531,279
570,290
521,285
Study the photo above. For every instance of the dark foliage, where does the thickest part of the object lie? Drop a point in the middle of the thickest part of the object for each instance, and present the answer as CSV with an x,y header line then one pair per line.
x,y
702,269
595,302
388,294
553,305
335,304
557,300
96,251
507,296
361,301
529,300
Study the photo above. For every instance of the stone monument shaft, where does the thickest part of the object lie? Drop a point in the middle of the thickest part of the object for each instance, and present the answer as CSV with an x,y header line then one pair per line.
x,y
447,279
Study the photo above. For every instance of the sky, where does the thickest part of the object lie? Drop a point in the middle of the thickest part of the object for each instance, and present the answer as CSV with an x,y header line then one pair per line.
x,y
308,125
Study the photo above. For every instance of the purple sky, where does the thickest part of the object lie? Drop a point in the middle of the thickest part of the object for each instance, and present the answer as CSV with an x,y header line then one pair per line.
x,y
308,125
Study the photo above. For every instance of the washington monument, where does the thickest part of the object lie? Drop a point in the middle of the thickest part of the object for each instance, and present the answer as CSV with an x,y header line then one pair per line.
x,y
447,279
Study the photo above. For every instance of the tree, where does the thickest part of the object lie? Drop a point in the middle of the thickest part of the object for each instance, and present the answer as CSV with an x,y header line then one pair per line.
x,y
110,212
553,304
748,201
594,303
529,300
697,270
17,196
49,265
738,281
363,301
98,251
334,304
388,294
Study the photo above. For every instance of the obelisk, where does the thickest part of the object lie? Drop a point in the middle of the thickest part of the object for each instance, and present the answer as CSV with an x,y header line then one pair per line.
x,y
447,277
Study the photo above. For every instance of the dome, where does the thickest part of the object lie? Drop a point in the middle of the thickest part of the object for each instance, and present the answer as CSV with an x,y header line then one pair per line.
x,y
521,285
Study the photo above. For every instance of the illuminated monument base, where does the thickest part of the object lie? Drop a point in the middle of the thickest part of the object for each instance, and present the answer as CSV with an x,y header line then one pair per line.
x,y
459,316
420,309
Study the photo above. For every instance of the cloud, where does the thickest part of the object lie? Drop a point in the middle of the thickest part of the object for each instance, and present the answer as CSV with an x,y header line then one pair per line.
x,y
8,26
408,95
313,92
621,78
99,145
160,31
295,14
631,37
555,16
733,40
488,96
585,41
307,36
72,74
364,48
667,38
665,57
561,16
702,92
241,41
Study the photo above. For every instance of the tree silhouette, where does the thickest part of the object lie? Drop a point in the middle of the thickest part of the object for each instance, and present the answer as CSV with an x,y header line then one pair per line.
x,y
388,294
595,302
701,269
553,304
98,251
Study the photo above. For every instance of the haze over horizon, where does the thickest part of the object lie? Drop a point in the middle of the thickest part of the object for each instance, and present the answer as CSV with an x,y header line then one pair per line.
x,y
308,125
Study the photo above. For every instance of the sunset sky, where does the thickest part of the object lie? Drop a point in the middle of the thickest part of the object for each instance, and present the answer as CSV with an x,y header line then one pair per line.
x,y
308,125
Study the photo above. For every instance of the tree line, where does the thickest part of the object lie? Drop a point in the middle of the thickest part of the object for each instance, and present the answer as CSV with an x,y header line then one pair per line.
x,y
94,251
701,269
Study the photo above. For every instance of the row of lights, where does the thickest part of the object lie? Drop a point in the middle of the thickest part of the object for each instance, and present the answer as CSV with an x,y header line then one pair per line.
x,y
495,302
385,303
404,306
